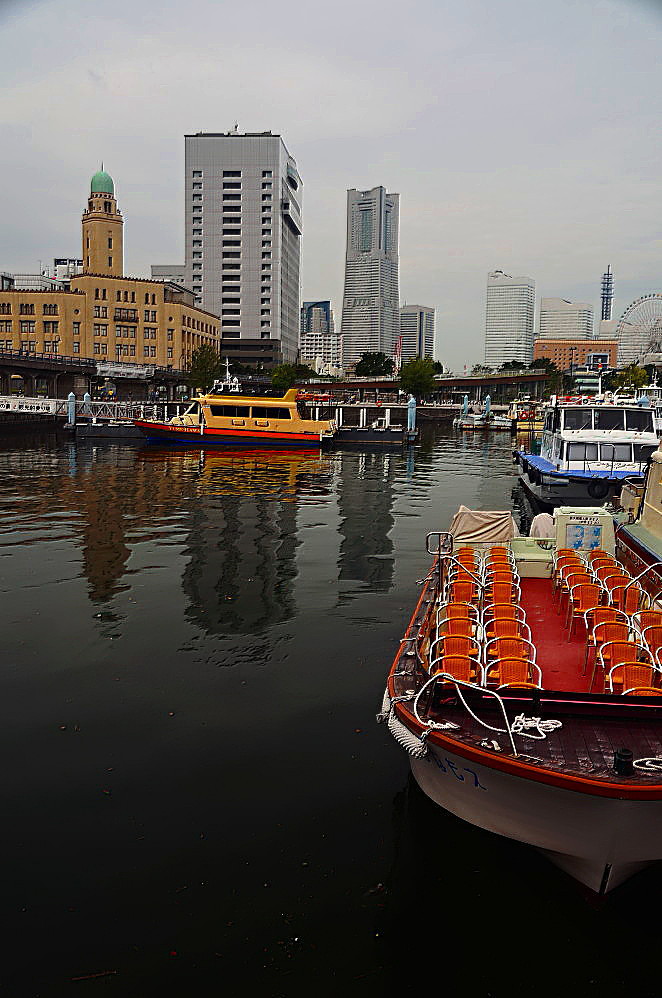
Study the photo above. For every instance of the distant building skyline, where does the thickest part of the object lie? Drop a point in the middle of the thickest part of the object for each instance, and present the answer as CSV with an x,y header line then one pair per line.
x,y
318,339
371,299
509,319
417,329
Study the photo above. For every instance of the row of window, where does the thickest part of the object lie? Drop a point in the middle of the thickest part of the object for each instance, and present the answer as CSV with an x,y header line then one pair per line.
x,y
128,296
251,412
28,309
609,452
232,173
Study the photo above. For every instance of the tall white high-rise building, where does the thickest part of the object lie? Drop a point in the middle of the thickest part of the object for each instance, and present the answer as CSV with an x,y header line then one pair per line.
x,y
417,331
243,233
509,319
371,301
565,320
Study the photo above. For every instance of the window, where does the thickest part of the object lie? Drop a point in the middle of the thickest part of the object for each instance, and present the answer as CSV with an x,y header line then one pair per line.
x,y
169,352
231,197
103,294
231,266
640,420
146,299
615,452
265,311
76,347
229,186
230,311
230,301
100,330
197,197
229,255
270,412
231,322
609,419
110,261
5,308
197,242
26,326
266,197
197,173
197,255
50,328
642,452
231,410
26,309
230,242
197,266
146,350
231,173
49,309
582,452
267,173
265,301
132,349
266,266
267,186
577,419
266,256
197,221
197,232
230,232
76,328
197,187
5,326
110,242
266,232
171,334
97,348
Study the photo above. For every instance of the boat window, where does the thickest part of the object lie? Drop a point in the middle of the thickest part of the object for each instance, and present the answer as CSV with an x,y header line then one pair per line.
x,y
615,452
639,419
549,419
229,410
193,409
577,419
582,452
609,419
270,412
642,452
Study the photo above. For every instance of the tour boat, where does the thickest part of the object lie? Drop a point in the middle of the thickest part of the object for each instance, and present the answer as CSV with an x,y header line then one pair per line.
x,y
482,421
251,416
588,447
527,690
525,414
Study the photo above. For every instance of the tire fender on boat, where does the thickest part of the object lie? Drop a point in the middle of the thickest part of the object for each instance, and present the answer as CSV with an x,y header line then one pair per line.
x,y
598,489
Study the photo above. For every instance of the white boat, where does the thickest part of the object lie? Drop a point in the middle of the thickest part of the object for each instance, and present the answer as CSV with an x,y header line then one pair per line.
x,y
482,421
589,446
560,745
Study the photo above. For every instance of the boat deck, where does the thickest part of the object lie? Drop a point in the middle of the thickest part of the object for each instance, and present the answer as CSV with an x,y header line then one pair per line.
x,y
561,661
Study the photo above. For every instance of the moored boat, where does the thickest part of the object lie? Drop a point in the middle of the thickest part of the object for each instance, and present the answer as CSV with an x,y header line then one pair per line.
x,y
526,414
251,416
527,690
588,448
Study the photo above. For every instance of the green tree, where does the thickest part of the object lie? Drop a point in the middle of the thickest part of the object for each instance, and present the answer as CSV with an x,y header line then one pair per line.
x,y
417,376
205,367
284,376
373,365
555,374
631,376
512,365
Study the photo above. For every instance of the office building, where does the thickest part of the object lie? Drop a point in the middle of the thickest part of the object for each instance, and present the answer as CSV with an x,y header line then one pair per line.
x,y
509,319
562,319
417,331
567,353
243,232
371,301
99,313
319,345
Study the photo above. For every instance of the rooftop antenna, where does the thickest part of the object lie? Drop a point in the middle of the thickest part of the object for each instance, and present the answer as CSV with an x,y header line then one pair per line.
x,y
235,129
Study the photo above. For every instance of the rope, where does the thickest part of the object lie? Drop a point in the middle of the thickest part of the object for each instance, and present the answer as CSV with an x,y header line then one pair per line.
x,y
525,726
652,764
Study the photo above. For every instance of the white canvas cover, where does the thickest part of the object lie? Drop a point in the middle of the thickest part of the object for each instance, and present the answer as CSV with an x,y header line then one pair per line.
x,y
477,526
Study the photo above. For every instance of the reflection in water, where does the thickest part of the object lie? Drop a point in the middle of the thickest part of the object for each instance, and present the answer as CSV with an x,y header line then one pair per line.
x,y
365,502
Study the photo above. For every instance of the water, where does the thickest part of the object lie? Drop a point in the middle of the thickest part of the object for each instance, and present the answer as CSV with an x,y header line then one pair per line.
x,y
196,797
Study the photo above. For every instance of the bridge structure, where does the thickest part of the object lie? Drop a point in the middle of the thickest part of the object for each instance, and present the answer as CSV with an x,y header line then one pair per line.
x,y
51,375
448,388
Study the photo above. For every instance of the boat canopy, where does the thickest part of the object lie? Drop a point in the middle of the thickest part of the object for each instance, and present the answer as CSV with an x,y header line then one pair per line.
x,y
477,526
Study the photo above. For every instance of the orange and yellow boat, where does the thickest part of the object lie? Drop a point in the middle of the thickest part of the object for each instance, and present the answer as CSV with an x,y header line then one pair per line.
x,y
251,416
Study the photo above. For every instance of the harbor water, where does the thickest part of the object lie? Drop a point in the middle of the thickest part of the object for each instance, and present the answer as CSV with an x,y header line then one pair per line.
x,y
196,797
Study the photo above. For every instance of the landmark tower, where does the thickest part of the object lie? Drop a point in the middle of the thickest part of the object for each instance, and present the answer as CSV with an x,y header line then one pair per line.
x,y
103,245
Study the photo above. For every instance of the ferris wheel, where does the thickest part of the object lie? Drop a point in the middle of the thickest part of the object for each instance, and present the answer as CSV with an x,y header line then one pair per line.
x,y
639,329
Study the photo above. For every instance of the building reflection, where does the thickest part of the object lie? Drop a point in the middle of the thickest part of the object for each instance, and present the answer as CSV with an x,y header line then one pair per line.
x,y
365,502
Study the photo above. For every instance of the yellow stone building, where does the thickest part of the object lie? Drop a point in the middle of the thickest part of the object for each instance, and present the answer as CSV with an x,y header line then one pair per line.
x,y
103,315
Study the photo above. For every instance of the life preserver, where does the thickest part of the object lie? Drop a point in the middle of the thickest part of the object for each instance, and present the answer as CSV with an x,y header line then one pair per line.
x,y
598,489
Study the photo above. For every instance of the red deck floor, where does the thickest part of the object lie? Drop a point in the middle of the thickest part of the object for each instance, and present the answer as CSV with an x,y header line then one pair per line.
x,y
561,660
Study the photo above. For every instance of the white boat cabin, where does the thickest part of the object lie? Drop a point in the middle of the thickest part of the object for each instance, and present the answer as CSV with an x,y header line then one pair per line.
x,y
598,436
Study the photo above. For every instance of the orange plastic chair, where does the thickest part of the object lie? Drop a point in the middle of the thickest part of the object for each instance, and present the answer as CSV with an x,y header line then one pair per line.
x,y
512,672
462,592
647,618
507,627
613,653
510,647
567,583
597,553
627,598
652,639
507,611
459,666
455,645
643,691
600,615
458,627
582,598
624,676
501,592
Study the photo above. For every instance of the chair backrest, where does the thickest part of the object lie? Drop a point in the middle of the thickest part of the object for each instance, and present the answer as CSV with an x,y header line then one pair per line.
x,y
603,571
652,637
508,627
501,592
585,596
463,592
506,611
500,575
616,579
574,578
452,644
597,553
513,671
509,647
627,597
464,610
648,618
614,652
458,627
610,630
630,675
643,691
459,666
604,614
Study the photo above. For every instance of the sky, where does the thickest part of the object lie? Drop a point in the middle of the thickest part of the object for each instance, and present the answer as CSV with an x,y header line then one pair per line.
x,y
522,135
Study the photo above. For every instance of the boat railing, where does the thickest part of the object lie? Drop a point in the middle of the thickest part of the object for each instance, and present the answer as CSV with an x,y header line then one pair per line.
x,y
657,565
449,678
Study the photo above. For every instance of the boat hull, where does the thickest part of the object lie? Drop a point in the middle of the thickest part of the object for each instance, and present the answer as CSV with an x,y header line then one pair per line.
x,y
601,841
570,492
192,437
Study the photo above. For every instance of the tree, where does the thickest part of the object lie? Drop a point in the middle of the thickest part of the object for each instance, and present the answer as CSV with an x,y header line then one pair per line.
x,y
284,376
417,376
205,367
631,376
555,374
438,367
512,365
373,364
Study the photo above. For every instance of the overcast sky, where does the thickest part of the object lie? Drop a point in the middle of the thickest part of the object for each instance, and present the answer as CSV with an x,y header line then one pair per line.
x,y
522,135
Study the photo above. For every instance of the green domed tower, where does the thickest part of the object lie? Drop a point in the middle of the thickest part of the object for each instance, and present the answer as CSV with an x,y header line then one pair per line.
x,y
103,247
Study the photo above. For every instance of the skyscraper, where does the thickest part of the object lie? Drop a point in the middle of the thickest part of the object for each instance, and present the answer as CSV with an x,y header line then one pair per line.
x,y
417,331
318,339
370,313
509,318
243,232
565,320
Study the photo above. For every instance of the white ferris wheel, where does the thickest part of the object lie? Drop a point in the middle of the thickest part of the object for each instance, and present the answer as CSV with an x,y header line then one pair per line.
x,y
639,329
